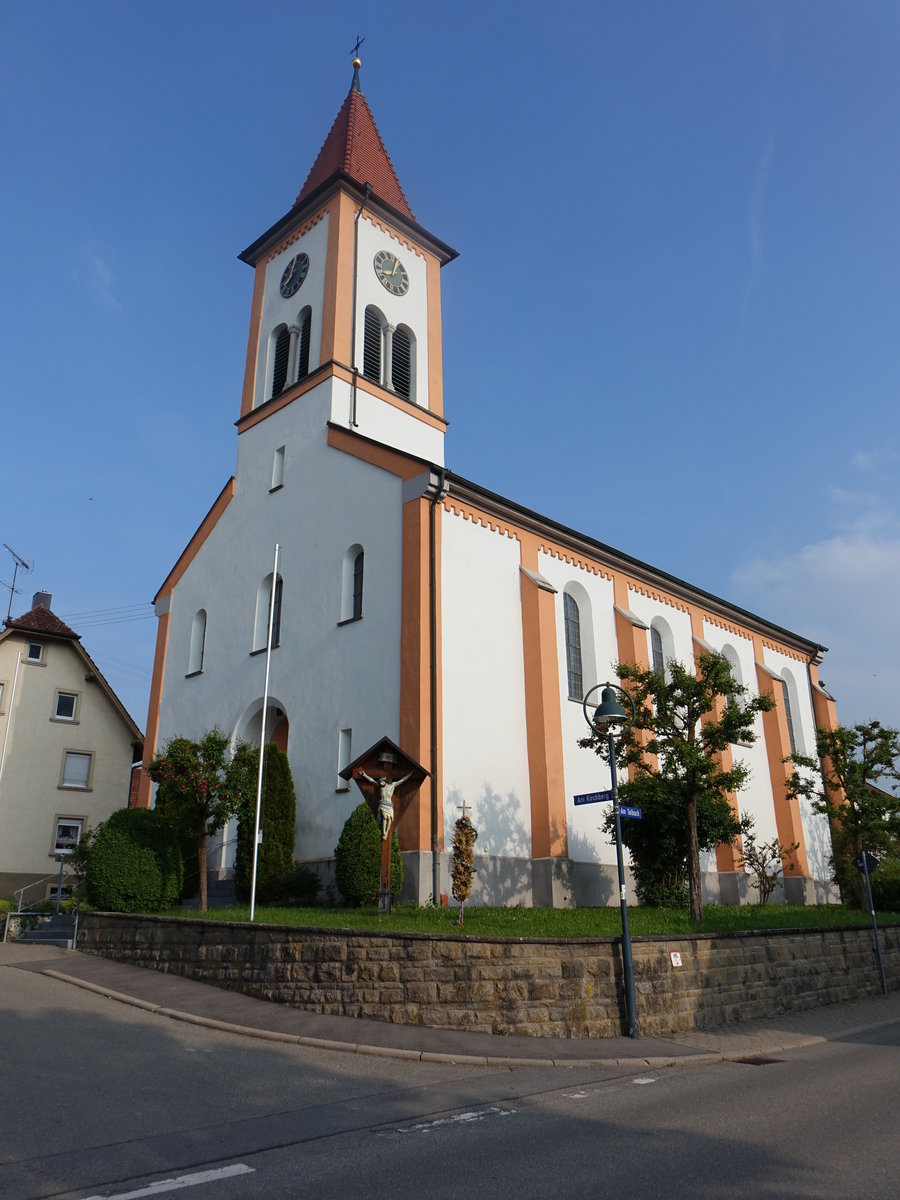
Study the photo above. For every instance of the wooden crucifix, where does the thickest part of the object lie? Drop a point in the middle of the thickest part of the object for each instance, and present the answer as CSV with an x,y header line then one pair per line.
x,y
388,779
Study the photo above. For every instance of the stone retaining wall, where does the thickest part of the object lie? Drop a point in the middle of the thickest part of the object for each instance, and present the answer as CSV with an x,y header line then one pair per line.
x,y
505,985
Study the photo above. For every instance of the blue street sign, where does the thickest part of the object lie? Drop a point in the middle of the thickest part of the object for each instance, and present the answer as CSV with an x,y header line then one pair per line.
x,y
627,810
593,797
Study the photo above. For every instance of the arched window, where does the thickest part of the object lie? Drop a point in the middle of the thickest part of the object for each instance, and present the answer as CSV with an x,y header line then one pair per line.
x,y
656,651
352,571
304,324
574,672
263,601
788,712
730,656
198,642
403,362
281,348
373,339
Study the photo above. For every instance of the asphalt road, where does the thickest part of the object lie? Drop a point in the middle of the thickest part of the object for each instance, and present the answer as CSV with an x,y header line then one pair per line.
x,y
101,1099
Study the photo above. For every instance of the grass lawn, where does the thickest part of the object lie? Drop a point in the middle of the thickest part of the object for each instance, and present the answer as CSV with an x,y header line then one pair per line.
x,y
552,922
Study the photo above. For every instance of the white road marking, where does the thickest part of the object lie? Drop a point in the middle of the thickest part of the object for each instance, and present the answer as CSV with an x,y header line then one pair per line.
x,y
643,1079
460,1118
183,1181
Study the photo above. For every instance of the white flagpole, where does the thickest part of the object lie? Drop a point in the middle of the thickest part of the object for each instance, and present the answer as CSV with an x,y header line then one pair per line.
x,y
262,735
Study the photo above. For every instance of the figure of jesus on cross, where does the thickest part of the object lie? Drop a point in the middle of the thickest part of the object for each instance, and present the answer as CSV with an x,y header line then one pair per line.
x,y
386,789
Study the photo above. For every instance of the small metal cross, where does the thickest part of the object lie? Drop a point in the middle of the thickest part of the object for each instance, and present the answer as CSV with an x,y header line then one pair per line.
x,y
355,50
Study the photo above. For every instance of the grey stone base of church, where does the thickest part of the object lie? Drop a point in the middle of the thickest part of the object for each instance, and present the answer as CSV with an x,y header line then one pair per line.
x,y
565,883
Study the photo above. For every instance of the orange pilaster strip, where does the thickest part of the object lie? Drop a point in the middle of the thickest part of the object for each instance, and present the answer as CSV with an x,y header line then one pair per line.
x,y
435,352
415,669
159,671
259,287
543,717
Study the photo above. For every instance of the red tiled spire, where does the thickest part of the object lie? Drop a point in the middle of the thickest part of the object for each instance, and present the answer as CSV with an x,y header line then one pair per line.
x,y
41,620
354,146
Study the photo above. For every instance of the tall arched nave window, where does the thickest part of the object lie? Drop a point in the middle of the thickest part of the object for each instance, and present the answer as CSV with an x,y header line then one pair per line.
x,y
574,669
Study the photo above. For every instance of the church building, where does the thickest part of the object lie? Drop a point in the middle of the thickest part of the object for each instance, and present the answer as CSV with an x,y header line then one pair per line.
x,y
415,604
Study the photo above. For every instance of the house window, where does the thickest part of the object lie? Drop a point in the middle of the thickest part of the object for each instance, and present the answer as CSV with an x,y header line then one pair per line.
x,y
66,706
263,602
76,770
303,329
68,834
277,469
281,349
785,691
35,652
373,338
198,642
344,742
656,651
352,572
1,697
574,671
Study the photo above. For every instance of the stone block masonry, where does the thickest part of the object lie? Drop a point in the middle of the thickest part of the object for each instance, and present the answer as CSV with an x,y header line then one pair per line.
x,y
523,987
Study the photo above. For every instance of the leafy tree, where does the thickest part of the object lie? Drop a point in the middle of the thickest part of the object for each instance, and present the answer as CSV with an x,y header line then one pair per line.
x,y
847,783
357,868
200,789
278,822
684,720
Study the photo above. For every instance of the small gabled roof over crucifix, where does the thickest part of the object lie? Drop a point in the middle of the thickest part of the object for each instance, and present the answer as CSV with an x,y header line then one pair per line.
x,y
386,758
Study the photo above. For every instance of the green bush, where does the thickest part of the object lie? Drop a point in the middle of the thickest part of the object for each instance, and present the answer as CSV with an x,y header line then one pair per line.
x,y
357,868
886,884
134,864
300,888
278,822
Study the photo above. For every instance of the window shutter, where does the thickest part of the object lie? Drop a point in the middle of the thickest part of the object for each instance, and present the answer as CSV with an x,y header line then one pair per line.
x,y
372,346
282,350
303,348
400,364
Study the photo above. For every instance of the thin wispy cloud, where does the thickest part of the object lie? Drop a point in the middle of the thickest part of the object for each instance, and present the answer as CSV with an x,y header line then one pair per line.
x,y
97,277
871,460
840,591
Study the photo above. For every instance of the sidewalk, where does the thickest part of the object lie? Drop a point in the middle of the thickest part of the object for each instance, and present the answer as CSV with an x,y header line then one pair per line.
x,y
201,1004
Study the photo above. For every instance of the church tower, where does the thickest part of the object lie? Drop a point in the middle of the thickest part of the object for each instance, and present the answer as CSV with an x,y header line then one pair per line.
x,y
347,294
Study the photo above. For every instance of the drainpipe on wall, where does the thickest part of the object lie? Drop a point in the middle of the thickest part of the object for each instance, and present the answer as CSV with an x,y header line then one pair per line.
x,y
440,490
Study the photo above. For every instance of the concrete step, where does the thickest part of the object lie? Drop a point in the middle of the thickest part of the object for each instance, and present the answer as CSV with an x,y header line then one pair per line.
x,y
52,931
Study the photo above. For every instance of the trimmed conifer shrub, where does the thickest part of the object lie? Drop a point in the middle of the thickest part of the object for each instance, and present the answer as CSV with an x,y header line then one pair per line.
x,y
134,863
357,869
278,821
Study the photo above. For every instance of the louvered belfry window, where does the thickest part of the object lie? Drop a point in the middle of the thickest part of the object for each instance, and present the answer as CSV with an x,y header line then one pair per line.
x,y
372,339
282,350
303,345
573,647
401,364
358,584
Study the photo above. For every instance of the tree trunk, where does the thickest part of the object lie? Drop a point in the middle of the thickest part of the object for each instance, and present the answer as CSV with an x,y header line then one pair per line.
x,y
696,893
201,864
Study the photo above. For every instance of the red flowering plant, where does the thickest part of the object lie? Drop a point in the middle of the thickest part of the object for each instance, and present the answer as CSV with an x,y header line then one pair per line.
x,y
200,788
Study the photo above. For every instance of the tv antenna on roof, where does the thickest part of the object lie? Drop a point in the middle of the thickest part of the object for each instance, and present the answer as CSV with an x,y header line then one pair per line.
x,y
19,562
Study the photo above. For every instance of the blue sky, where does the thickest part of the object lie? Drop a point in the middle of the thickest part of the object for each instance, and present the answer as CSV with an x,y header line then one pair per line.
x,y
673,323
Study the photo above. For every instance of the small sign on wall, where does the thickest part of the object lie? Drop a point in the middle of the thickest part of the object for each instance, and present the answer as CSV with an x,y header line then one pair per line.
x,y
675,956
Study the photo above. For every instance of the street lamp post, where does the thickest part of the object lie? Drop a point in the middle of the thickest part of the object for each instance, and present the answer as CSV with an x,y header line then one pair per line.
x,y
610,717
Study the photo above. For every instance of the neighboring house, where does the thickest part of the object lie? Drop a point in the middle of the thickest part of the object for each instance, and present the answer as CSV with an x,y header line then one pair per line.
x,y
413,603
67,746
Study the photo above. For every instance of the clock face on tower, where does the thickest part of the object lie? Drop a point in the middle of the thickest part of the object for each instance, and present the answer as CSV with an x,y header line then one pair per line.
x,y
294,274
391,272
